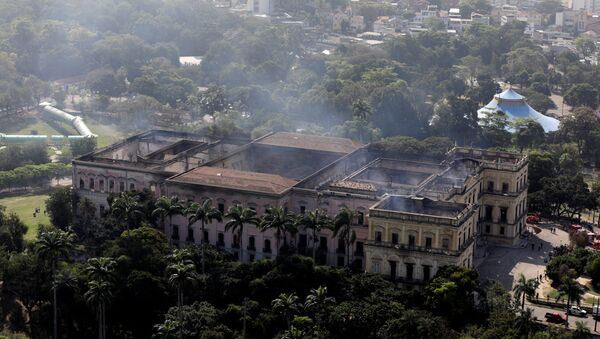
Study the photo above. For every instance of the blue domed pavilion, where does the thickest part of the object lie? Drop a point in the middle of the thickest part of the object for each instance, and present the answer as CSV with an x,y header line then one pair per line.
x,y
515,106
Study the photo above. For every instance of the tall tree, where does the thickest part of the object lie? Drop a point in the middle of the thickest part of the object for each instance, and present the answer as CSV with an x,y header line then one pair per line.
x,y
238,217
205,213
342,228
525,287
101,273
127,208
180,274
54,246
316,221
286,305
280,220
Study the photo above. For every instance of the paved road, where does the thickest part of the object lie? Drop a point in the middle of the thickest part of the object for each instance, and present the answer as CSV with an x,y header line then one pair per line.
x,y
505,264
539,312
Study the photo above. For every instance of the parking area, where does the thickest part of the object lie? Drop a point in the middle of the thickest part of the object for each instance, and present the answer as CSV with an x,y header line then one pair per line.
x,y
504,264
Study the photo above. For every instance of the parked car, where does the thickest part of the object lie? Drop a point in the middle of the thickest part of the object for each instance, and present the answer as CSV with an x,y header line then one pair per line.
x,y
577,311
533,218
555,317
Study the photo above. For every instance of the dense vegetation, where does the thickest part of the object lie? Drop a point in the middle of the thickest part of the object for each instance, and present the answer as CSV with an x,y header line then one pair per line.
x,y
119,277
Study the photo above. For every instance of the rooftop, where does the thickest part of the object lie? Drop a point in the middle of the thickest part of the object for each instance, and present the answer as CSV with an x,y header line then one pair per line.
x,y
230,178
420,205
311,142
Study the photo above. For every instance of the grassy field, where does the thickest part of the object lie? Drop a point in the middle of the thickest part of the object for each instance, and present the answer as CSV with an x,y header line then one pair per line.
x,y
107,134
40,126
24,206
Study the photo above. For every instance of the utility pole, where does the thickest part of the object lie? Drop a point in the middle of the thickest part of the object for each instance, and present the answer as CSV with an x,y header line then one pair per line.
x,y
595,315
244,320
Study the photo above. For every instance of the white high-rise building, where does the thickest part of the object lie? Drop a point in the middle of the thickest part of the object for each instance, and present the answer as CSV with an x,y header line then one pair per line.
x,y
261,7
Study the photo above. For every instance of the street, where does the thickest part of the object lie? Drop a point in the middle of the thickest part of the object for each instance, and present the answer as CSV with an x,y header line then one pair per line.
x,y
504,264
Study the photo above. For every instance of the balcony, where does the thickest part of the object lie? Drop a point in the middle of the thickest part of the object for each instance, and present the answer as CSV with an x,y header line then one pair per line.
x,y
411,248
267,250
251,248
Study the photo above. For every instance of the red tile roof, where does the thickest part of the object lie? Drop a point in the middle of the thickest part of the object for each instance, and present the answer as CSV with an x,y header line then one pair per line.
x,y
229,178
312,142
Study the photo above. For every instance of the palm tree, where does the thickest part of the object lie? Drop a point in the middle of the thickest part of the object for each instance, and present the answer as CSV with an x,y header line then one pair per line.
x,y
525,287
280,220
316,221
101,268
205,213
126,208
581,331
101,273
99,294
239,216
180,274
525,322
165,330
286,305
53,246
572,289
317,300
167,207
342,228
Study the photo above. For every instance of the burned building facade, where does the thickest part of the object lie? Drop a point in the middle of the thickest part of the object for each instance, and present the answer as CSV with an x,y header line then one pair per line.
x,y
414,215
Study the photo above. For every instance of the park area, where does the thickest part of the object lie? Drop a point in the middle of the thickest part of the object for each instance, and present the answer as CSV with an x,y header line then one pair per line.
x,y
24,206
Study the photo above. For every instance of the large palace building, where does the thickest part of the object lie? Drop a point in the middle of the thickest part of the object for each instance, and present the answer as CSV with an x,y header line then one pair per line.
x,y
415,214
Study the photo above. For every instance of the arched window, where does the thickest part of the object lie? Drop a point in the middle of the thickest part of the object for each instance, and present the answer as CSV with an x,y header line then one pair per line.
x,y
267,248
81,183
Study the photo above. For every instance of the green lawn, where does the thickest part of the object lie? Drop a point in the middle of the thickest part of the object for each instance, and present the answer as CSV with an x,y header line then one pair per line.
x,y
107,134
40,126
24,206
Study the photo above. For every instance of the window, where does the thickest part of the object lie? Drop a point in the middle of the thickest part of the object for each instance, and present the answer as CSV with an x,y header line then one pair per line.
x,y
340,261
102,209
487,228
302,241
445,243
376,267
267,247
251,243
175,233
236,241
302,209
409,271
190,235
81,184
205,235
91,183
359,248
251,257
220,239
503,212
426,272
101,185
411,240
221,207
394,238
504,187
121,187
323,243
502,230
360,218
428,242
341,246
489,210
378,236
490,186
131,186
111,185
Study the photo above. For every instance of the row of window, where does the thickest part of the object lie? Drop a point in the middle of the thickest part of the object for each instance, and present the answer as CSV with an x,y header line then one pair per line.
x,y
409,270
101,187
412,240
251,246
489,210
